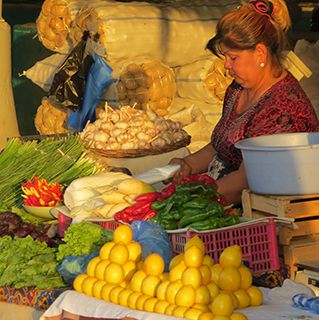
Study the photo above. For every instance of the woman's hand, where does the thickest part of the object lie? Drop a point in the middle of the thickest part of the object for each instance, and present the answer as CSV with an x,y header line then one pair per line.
x,y
184,171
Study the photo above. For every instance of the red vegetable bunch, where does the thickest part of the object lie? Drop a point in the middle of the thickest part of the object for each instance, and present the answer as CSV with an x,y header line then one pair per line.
x,y
41,193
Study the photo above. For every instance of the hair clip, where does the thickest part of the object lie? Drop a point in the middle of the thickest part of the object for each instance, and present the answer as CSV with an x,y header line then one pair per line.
x,y
263,7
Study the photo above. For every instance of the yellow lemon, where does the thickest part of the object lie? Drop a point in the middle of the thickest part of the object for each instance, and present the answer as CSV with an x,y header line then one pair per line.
x,y
229,279
206,316
87,285
238,316
90,269
105,293
231,257
176,260
177,271
222,305
179,311
105,249
161,306
172,290
123,297
195,241
169,310
164,276
208,260
139,265
246,277
161,289
221,318
192,314
202,295
216,269
132,298
124,284
243,298
114,273
140,301
256,296
77,283
134,251
234,298
201,307
185,296
99,272
123,233
97,289
119,253
114,294
150,284
192,276
213,290
154,264
129,269
137,279
206,273
149,304
193,257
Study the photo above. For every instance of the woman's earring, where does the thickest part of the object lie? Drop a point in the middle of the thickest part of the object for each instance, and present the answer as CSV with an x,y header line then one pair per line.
x,y
262,65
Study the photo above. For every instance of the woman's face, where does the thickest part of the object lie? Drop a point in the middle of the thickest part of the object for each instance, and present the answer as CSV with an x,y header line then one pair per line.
x,y
242,65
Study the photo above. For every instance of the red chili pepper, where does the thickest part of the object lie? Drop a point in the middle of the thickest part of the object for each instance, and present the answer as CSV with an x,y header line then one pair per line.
x,y
168,191
201,178
150,196
138,207
149,215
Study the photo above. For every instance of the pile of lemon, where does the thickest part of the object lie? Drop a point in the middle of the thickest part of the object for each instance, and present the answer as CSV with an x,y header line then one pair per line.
x,y
194,288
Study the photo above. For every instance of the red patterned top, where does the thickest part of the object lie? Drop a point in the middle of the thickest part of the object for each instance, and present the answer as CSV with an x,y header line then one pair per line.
x,y
283,108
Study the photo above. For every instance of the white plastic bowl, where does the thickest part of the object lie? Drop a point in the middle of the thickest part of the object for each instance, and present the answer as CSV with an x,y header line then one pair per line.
x,y
282,164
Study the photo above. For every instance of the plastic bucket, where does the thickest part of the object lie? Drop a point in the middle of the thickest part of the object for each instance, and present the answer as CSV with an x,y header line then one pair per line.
x,y
282,164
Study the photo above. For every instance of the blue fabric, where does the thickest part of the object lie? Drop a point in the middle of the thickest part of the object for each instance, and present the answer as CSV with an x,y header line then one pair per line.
x,y
98,80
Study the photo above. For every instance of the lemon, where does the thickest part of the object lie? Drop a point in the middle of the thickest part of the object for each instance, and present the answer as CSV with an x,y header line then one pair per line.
x,y
123,297
231,257
192,314
90,269
149,304
137,279
140,301
202,295
150,284
124,284
105,292
177,271
185,296
206,316
179,311
129,269
192,276
114,294
243,298
139,265
77,283
164,276
221,318
161,306
105,249
222,305
195,241
99,272
114,273
97,289
238,316
234,298
206,273
132,298
123,233
229,279
169,310
193,257
172,290
176,260
201,307
134,251
256,296
161,289
208,260
246,277
213,290
216,269
154,264
87,285
119,253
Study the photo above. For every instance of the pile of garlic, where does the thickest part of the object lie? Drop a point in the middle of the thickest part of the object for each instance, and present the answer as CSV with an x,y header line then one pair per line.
x,y
128,128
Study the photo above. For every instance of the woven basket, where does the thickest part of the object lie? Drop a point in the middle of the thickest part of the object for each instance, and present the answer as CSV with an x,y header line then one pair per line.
x,y
134,153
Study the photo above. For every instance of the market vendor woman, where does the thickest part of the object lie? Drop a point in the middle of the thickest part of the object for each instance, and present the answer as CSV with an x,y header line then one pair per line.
x,y
263,98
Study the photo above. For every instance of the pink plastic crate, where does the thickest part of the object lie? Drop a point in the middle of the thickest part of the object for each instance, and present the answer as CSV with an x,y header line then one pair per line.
x,y
258,242
110,224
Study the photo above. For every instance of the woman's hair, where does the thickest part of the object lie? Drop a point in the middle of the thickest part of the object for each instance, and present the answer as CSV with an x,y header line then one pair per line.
x,y
258,21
